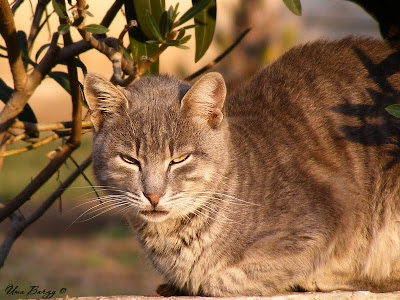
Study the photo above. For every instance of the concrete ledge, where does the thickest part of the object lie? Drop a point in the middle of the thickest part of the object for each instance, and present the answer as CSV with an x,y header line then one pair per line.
x,y
339,295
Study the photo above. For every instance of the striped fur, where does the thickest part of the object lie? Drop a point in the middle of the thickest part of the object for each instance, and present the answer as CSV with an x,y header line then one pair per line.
x,y
293,184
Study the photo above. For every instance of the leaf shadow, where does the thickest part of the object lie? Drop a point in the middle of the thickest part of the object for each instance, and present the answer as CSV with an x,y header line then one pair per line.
x,y
378,128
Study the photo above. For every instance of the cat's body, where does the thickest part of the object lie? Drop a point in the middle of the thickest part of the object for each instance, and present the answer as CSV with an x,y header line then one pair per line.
x,y
295,185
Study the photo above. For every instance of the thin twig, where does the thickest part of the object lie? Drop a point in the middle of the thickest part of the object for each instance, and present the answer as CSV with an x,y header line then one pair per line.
x,y
40,9
15,139
37,127
16,5
144,65
85,177
219,58
129,26
18,226
41,143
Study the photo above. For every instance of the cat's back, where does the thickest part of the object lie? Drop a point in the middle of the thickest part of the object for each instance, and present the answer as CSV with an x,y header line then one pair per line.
x,y
321,98
317,73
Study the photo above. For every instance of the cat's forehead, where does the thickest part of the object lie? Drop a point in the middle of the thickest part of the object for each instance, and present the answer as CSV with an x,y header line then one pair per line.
x,y
156,92
154,113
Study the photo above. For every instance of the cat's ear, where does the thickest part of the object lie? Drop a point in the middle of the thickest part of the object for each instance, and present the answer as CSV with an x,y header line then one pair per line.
x,y
205,99
102,97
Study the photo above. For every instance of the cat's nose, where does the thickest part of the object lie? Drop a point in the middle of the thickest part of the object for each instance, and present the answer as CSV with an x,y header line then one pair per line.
x,y
153,198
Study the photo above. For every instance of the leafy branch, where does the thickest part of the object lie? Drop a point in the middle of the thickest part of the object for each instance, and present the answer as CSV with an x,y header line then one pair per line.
x,y
152,29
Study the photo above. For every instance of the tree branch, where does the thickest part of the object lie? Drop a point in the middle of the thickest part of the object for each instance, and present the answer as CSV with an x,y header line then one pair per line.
x,y
9,33
38,181
19,224
20,97
76,93
111,13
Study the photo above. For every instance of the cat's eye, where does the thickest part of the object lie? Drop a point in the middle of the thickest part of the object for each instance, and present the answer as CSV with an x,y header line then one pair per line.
x,y
179,159
130,160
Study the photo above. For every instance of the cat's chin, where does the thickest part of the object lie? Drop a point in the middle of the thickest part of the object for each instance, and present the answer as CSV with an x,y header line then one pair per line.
x,y
155,216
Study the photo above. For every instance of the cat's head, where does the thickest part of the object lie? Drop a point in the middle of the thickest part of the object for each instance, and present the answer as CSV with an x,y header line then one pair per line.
x,y
159,145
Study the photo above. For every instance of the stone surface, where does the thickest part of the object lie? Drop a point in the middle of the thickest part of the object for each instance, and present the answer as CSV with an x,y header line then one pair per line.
x,y
339,295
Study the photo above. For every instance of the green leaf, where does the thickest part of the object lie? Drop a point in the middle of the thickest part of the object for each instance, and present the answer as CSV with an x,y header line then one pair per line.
x,y
176,13
63,28
62,79
152,25
171,13
205,27
294,6
173,43
96,29
5,91
41,49
137,37
183,47
59,9
153,42
193,11
88,13
23,45
27,114
125,52
80,64
155,8
181,34
84,102
185,39
164,25
394,110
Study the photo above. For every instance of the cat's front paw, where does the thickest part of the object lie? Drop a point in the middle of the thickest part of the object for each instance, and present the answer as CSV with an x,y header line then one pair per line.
x,y
167,290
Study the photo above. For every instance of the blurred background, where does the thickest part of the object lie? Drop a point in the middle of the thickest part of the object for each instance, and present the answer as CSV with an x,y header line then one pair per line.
x,y
99,256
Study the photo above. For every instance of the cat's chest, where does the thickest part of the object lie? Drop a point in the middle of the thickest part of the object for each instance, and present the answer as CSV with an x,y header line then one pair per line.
x,y
184,256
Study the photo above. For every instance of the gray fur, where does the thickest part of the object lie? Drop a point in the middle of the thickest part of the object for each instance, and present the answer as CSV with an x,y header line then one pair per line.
x,y
294,184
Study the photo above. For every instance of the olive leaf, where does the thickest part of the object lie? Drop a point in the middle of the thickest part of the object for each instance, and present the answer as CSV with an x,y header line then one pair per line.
x,y
96,29
294,6
59,9
205,27
394,110
193,11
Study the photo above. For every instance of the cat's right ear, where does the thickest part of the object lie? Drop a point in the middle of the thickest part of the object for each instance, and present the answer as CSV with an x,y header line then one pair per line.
x,y
205,99
102,98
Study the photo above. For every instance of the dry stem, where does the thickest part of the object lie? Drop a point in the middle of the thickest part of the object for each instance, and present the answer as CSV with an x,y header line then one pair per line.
x,y
218,58
35,127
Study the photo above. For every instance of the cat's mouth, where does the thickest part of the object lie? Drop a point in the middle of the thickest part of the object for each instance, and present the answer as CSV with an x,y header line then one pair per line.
x,y
154,215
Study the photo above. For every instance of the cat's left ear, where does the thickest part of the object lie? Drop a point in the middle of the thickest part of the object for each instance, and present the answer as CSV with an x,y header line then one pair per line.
x,y
205,99
102,98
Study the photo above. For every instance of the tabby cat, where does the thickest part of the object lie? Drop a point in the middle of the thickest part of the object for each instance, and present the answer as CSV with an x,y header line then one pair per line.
x,y
291,183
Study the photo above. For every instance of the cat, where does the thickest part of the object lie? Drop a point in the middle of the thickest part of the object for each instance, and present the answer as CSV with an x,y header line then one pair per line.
x,y
290,184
